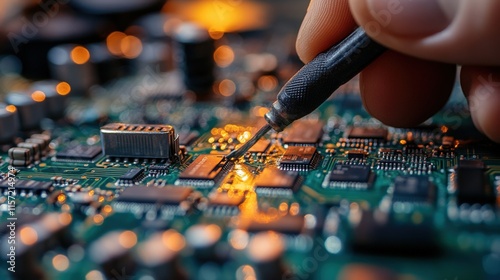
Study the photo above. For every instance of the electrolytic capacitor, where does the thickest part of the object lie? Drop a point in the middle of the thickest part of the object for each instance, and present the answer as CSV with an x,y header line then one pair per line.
x,y
30,108
71,63
9,122
265,250
55,96
194,54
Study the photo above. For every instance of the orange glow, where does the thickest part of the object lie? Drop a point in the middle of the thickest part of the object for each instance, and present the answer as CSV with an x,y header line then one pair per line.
x,y
224,56
38,96
98,219
131,46
127,239
107,209
267,83
65,218
28,236
60,262
80,55
173,240
63,88
227,87
222,16
61,198
11,108
114,41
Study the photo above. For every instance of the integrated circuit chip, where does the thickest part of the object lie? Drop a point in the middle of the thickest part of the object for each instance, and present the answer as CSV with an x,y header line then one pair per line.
x,y
79,153
356,154
350,176
362,132
27,186
472,185
260,147
205,170
414,189
131,177
158,170
288,224
273,181
225,199
304,133
155,195
299,158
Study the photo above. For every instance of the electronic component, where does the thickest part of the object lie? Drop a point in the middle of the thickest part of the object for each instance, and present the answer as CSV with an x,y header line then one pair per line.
x,y
287,224
266,249
379,233
34,149
356,154
31,109
260,147
79,153
140,141
350,176
225,199
471,184
55,100
158,170
303,133
273,181
154,195
362,132
20,157
132,177
9,123
415,189
205,170
112,252
203,238
299,158
29,187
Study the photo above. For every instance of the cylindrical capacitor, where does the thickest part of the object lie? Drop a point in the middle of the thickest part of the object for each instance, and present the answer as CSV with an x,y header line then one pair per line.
x,y
55,96
159,255
195,57
203,239
9,122
265,250
71,63
30,108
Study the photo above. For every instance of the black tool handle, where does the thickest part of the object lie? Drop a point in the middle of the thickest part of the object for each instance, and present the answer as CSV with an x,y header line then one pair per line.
x,y
317,80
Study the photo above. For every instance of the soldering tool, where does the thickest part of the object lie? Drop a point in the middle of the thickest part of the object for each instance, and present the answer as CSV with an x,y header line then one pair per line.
x,y
315,82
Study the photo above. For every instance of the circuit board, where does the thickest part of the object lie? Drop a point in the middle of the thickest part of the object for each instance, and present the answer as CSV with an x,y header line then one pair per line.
x,y
133,184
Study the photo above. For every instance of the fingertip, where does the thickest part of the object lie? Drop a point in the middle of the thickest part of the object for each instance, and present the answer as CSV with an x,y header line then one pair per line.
x,y
481,86
326,23
403,91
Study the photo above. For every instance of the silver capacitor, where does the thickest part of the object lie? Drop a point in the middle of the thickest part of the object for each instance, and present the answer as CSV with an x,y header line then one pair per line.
x,y
9,122
30,108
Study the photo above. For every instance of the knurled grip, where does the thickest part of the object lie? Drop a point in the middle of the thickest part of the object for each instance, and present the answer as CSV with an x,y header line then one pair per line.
x,y
317,80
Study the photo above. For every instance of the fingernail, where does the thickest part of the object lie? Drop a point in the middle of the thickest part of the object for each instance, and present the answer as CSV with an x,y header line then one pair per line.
x,y
410,17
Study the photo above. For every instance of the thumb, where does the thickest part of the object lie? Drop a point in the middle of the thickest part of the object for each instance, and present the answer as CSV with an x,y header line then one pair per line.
x,y
452,31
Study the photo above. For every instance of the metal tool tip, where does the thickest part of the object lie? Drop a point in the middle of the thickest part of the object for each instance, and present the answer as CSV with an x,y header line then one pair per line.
x,y
237,153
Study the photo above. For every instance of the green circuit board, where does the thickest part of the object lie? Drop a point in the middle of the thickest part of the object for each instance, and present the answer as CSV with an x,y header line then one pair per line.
x,y
336,196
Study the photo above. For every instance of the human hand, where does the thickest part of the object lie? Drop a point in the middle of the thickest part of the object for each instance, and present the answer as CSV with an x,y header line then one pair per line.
x,y
427,38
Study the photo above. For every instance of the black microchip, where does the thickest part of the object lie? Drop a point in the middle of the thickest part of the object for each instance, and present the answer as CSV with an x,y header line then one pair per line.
x,y
367,132
378,233
278,180
304,133
288,224
225,199
158,170
356,154
132,176
155,195
299,158
352,176
416,189
260,147
205,170
79,153
29,186
472,184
